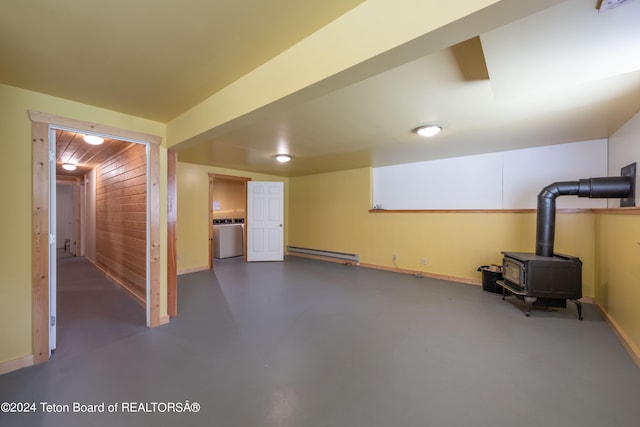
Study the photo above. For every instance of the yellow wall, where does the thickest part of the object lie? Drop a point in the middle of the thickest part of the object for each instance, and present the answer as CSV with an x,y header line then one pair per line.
x,y
193,211
16,186
617,287
331,212
230,195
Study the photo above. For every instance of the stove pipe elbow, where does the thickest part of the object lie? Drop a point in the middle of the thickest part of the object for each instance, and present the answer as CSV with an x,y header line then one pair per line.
x,y
604,188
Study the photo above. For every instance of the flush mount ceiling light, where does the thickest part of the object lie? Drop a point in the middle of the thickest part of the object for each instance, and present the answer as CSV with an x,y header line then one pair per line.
x,y
610,4
282,158
69,166
93,139
428,130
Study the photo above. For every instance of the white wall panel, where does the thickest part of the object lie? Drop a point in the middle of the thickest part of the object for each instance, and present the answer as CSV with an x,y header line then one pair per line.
x,y
506,180
624,148
65,218
527,172
472,182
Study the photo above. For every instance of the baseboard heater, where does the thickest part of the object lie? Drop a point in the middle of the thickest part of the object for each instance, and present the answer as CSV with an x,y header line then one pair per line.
x,y
326,254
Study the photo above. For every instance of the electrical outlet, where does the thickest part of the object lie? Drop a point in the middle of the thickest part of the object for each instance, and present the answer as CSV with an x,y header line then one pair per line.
x,y
424,261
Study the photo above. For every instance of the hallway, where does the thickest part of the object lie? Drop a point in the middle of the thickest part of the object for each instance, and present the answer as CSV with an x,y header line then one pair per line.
x,y
305,343
92,311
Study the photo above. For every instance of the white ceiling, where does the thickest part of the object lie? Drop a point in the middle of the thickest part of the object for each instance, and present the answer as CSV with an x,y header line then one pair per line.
x,y
565,74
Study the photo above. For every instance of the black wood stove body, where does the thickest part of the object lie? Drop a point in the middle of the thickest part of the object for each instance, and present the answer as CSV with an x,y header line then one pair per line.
x,y
544,277
541,280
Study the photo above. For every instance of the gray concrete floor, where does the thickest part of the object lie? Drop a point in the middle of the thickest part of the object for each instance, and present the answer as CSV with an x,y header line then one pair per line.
x,y
308,343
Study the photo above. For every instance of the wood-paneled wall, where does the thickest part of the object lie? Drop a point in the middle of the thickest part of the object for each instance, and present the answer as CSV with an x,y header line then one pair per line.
x,y
121,219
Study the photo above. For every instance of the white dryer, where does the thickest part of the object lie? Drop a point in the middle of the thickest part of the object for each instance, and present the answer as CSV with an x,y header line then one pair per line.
x,y
228,239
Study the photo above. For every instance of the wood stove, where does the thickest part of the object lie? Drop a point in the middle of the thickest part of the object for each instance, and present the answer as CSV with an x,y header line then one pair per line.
x,y
541,280
545,278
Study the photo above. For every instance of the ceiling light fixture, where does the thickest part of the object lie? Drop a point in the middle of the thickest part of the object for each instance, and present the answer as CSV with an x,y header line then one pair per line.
x,y
282,158
610,4
428,130
93,139
69,166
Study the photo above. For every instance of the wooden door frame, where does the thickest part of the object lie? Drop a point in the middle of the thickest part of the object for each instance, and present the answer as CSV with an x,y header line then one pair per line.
x,y
172,235
212,178
41,123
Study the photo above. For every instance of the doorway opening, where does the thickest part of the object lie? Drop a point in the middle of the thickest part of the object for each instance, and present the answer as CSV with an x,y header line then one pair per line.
x,y
227,205
44,128
70,210
105,216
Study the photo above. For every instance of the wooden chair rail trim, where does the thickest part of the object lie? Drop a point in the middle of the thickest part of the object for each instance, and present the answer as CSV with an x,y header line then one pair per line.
x,y
612,211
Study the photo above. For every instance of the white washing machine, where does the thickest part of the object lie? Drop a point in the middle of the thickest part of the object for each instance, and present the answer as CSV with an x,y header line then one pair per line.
x,y
228,240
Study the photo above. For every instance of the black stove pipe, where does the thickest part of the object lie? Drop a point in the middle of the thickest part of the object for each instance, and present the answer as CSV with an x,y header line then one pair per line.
x,y
600,188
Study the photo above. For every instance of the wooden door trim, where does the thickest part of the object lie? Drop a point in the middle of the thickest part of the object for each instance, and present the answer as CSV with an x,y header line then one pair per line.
x,y
153,244
40,248
78,199
52,119
211,181
172,236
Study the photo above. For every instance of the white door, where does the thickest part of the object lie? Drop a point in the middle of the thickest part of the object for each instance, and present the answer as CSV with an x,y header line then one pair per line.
x,y
265,221
52,241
